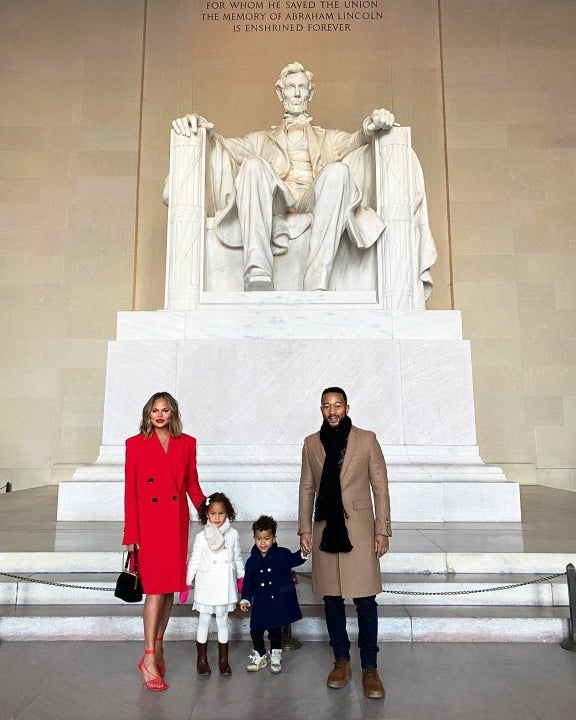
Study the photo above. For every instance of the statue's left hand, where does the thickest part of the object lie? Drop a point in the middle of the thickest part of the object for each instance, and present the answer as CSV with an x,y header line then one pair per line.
x,y
380,119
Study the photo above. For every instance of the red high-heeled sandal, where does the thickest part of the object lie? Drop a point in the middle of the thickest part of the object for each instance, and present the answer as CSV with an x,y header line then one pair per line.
x,y
161,665
155,683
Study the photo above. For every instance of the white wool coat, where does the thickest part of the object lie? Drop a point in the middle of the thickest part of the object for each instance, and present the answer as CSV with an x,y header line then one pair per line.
x,y
214,573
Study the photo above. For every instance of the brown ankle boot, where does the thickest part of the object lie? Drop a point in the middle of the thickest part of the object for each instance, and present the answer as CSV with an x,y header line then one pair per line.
x,y
371,683
202,661
223,659
340,674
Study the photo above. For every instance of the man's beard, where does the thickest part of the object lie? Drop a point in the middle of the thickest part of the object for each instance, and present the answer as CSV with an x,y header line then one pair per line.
x,y
301,109
340,419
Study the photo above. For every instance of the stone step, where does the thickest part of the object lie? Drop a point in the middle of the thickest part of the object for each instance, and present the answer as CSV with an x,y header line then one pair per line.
x,y
428,483
396,624
447,558
416,563
398,590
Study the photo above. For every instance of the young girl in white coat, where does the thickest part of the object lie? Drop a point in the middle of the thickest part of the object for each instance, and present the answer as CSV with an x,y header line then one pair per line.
x,y
215,567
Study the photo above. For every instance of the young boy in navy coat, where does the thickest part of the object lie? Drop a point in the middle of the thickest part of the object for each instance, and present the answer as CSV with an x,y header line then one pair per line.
x,y
269,589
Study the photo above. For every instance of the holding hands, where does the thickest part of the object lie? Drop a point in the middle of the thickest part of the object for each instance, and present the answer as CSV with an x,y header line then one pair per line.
x,y
184,594
306,543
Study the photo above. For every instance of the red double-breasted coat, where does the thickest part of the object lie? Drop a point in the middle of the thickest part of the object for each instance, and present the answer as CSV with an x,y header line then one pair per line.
x,y
156,514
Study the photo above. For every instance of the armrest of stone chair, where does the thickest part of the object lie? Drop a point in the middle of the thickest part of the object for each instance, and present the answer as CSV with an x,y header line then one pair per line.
x,y
186,195
407,249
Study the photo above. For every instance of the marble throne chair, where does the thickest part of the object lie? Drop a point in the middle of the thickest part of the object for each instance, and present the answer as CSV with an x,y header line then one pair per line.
x,y
395,271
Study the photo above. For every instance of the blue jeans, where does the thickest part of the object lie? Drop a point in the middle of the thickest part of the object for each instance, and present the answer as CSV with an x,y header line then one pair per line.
x,y
367,611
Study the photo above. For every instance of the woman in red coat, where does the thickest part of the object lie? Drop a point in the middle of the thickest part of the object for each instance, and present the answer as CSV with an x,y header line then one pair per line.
x,y
160,473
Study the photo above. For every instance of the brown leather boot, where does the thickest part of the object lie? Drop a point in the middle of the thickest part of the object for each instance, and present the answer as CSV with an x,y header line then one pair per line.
x,y
223,659
371,683
202,661
340,674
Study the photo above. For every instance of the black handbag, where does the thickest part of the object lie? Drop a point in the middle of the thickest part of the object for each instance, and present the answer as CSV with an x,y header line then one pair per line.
x,y
128,585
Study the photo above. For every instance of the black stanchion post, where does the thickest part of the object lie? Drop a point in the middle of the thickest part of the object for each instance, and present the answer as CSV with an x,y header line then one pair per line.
x,y
289,642
570,643
8,487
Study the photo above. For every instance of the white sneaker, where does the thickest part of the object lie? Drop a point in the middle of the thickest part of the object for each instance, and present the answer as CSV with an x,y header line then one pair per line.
x,y
257,661
275,661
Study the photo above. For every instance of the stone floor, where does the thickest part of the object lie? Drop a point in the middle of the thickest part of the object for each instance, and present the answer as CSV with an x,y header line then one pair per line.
x,y
28,523
436,681
83,680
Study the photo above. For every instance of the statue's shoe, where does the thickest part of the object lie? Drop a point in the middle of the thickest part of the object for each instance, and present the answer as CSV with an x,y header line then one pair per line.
x,y
258,283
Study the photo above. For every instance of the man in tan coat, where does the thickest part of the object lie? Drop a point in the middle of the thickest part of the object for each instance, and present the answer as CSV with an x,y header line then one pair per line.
x,y
344,519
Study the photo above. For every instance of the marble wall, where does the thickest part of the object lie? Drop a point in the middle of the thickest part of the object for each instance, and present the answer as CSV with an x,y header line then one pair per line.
x,y
70,75
489,89
510,90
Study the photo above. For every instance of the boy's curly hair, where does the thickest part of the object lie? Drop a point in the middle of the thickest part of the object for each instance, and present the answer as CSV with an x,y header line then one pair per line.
x,y
264,522
214,498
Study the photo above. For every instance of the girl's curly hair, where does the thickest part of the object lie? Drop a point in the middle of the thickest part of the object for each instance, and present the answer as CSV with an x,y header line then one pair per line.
x,y
216,497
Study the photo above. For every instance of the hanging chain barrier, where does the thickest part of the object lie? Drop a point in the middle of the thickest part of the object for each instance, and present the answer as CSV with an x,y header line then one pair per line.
x,y
56,584
308,576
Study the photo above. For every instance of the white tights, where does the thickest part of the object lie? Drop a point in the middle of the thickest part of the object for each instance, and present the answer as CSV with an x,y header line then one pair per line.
x,y
204,626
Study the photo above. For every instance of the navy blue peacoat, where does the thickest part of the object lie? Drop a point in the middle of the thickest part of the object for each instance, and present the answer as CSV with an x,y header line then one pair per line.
x,y
269,587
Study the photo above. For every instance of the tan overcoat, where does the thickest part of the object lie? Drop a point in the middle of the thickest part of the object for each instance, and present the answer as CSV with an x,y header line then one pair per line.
x,y
357,573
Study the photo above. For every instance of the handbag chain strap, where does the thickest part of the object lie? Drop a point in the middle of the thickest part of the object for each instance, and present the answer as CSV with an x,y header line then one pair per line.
x,y
127,563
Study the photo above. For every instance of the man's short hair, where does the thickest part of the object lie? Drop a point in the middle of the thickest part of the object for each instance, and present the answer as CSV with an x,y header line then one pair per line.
x,y
334,390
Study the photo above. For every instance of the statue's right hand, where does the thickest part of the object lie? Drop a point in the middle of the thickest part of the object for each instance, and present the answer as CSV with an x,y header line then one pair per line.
x,y
189,124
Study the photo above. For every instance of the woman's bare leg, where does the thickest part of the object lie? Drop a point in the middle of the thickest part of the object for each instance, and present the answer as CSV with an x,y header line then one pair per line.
x,y
165,613
153,613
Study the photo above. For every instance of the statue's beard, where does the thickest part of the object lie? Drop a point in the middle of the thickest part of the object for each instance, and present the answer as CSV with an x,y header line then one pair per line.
x,y
295,108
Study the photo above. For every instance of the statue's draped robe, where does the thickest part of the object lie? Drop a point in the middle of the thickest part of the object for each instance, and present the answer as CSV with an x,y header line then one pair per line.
x,y
363,225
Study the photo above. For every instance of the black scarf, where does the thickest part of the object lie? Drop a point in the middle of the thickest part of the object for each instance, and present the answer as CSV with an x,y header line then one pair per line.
x,y
329,506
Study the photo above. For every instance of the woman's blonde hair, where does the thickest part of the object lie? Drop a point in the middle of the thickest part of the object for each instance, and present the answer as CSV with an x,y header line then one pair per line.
x,y
174,424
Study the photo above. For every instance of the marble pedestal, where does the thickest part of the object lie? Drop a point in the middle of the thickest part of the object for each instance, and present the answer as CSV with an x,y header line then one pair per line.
x,y
248,379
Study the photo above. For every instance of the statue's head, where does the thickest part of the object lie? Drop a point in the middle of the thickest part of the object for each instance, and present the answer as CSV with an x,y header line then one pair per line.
x,y
295,88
